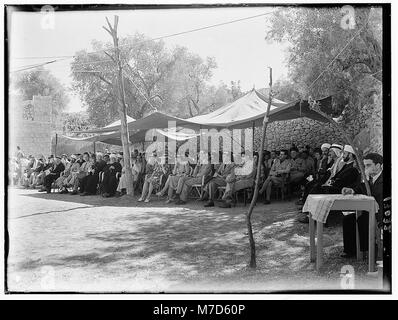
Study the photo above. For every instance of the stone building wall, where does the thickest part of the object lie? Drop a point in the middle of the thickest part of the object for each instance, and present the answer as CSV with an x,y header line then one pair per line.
x,y
31,125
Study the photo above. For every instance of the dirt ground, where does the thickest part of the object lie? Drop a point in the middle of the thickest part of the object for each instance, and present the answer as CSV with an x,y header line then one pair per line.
x,y
92,244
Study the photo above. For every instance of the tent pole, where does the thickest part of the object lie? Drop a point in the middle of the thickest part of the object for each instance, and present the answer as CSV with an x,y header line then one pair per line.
x,y
253,133
56,142
94,146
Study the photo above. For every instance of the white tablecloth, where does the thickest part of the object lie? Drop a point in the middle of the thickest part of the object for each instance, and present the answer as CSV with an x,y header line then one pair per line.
x,y
319,205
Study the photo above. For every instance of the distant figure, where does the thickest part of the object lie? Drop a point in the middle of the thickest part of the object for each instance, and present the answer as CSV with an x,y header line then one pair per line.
x,y
19,154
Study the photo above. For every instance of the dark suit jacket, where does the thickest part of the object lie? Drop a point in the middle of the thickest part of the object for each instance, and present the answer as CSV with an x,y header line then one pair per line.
x,y
376,189
348,176
57,169
99,166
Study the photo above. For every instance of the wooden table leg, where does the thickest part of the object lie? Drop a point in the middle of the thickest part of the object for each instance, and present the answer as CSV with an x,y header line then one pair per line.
x,y
359,252
372,230
312,237
319,244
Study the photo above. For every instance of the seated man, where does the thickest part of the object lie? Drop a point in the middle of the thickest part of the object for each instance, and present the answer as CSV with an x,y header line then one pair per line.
x,y
373,164
309,163
219,178
280,167
202,171
53,175
39,166
83,171
298,167
347,176
181,170
60,181
69,181
330,155
241,177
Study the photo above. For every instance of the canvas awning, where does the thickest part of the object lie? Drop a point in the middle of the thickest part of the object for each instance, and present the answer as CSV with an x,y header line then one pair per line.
x,y
245,112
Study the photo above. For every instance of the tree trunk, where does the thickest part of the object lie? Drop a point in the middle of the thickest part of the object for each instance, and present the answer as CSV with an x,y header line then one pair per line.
x,y
252,263
122,107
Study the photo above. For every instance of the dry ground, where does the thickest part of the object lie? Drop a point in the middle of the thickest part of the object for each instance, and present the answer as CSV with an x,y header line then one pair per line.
x,y
73,243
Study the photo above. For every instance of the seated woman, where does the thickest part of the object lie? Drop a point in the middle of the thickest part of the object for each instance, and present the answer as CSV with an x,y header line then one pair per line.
x,y
110,182
136,165
181,170
154,172
91,180
83,171
60,181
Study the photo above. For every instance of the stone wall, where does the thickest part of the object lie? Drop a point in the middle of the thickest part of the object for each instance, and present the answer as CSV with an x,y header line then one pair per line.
x,y
301,132
31,125
366,128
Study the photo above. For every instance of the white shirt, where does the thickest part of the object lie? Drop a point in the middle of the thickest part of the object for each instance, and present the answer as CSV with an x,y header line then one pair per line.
x,y
245,169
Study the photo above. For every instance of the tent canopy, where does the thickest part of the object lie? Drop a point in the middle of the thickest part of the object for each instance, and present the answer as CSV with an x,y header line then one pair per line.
x,y
245,112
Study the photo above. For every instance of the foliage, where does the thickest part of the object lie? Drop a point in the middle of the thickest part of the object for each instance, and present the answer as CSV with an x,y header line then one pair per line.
x,y
316,37
155,78
75,121
41,82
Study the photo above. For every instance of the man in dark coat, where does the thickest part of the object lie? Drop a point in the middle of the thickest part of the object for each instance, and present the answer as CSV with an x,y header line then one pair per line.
x,y
55,172
373,163
110,182
91,180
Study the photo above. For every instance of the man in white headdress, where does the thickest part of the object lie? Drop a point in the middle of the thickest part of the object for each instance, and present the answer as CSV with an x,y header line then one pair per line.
x,y
347,175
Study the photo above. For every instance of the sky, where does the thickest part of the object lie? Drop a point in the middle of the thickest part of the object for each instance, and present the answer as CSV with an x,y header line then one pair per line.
x,y
240,50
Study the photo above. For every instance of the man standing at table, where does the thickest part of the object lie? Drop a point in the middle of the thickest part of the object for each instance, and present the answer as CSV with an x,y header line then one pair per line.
x,y
373,163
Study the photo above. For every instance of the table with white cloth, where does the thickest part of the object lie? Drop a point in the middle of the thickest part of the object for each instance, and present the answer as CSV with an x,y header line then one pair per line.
x,y
319,206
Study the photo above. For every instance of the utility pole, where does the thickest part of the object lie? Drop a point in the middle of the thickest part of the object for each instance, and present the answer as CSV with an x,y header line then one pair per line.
x,y
122,104
252,263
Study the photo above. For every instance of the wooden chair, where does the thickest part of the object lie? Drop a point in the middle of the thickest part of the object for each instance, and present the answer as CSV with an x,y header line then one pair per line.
x,y
198,188
284,188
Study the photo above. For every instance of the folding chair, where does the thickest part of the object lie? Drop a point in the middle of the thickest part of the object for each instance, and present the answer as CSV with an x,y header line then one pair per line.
x,y
198,188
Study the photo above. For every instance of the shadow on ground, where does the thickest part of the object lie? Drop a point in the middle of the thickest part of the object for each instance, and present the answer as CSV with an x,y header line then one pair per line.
x,y
193,246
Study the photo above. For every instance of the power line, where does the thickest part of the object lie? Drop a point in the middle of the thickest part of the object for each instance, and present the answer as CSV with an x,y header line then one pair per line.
x,y
159,38
35,66
337,55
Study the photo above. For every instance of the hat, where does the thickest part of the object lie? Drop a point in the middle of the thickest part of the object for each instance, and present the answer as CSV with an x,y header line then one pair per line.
x,y
73,156
349,149
337,146
326,145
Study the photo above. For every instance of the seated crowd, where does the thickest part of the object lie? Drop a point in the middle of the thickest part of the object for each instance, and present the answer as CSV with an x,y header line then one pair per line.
x,y
321,170
330,169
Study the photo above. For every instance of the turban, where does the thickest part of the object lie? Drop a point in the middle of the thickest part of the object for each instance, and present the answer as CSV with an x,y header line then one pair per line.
x,y
325,145
348,148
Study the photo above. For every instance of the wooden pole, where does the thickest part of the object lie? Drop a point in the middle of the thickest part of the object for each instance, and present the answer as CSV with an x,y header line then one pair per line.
x,y
252,263
122,104
56,143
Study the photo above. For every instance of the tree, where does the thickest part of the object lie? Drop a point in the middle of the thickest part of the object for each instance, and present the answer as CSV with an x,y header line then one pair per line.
x,y
316,37
41,82
157,79
75,121
119,88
